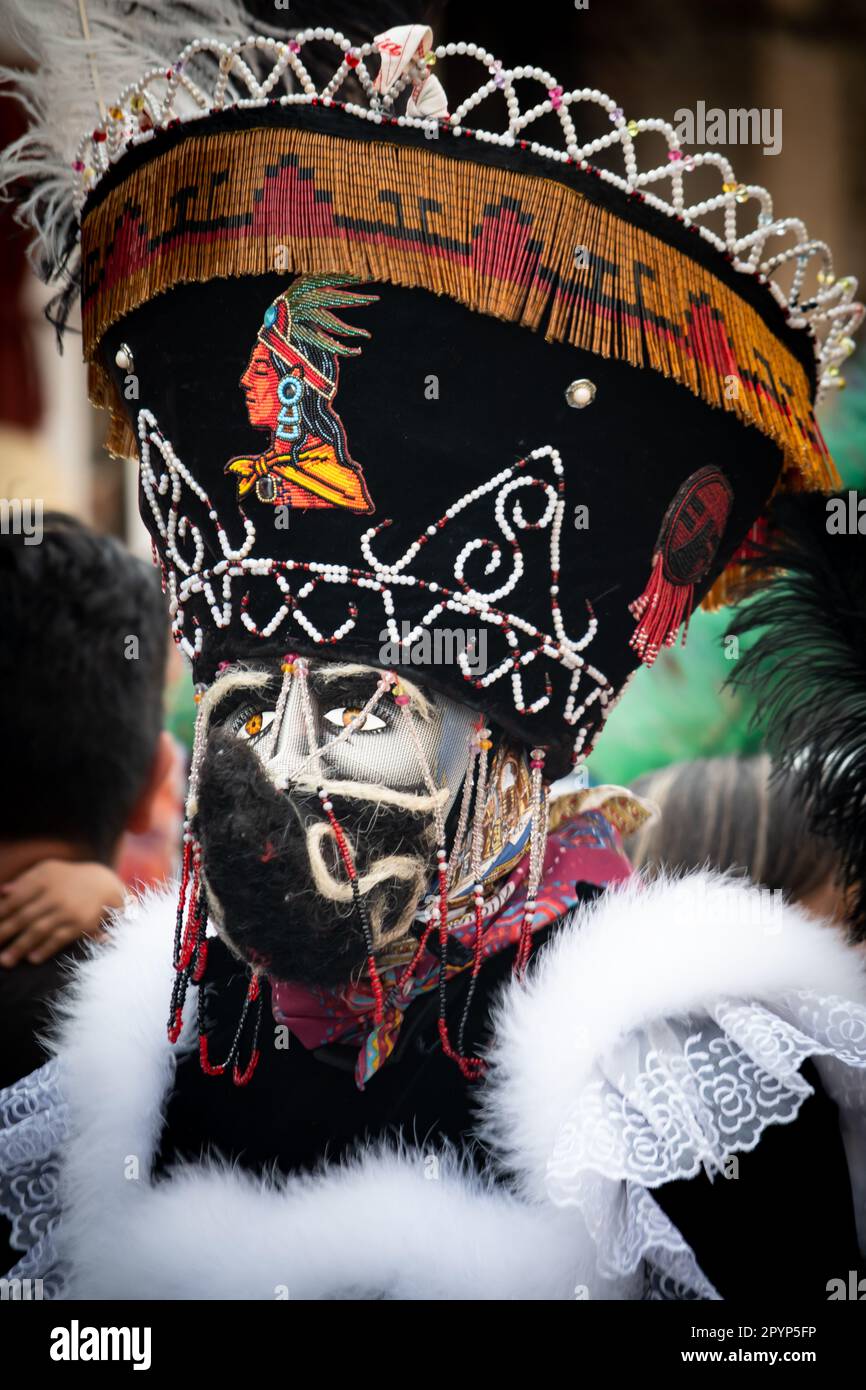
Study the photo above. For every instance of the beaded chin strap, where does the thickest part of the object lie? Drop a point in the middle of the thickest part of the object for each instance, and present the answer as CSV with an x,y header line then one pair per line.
x,y
191,941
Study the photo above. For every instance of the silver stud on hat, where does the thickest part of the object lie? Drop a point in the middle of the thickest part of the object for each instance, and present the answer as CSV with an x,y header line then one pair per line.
x,y
580,393
123,358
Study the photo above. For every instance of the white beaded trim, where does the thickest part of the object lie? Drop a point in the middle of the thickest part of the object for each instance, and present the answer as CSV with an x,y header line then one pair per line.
x,y
829,310
186,575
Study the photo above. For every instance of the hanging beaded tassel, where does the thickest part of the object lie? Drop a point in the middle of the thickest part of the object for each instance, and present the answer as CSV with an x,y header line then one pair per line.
x,y
537,847
189,934
287,667
301,667
240,1077
471,1067
190,938
360,906
190,950
476,853
691,532
465,803
459,837
660,610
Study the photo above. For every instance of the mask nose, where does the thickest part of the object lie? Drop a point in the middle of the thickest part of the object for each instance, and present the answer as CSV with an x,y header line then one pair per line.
x,y
287,744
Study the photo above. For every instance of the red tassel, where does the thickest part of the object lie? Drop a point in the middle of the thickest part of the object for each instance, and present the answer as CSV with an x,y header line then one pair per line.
x,y
689,538
243,1078
660,610
206,1065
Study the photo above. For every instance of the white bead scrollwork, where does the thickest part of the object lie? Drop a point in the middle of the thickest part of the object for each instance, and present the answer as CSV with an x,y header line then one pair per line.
x,y
188,572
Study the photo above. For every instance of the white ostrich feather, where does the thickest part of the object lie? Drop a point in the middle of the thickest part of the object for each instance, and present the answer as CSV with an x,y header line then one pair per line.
x,y
73,77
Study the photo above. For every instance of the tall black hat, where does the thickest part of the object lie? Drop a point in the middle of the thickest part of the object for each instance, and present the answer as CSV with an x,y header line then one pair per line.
x,y
392,375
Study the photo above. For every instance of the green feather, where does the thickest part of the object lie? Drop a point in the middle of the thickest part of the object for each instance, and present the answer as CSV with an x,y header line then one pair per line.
x,y
311,300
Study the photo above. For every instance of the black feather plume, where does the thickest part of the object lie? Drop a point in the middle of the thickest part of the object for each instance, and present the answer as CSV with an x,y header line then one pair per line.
x,y
807,668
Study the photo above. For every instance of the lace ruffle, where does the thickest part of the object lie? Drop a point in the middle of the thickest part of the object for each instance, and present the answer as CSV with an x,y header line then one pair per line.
x,y
679,1097
34,1126
687,1095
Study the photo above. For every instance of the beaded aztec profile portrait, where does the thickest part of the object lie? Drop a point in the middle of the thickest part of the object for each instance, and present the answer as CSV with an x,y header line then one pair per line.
x,y
289,385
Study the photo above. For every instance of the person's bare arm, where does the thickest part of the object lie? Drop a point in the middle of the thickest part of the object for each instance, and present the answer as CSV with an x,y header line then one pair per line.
x,y
53,904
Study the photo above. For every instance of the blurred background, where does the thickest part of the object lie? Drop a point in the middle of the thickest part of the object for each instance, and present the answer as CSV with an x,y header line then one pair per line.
x,y
804,58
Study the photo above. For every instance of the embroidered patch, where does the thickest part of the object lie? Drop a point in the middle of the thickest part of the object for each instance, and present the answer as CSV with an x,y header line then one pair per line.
x,y
289,386
690,535
693,526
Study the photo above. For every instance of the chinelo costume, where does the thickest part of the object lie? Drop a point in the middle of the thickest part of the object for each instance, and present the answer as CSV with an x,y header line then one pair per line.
x,y
399,375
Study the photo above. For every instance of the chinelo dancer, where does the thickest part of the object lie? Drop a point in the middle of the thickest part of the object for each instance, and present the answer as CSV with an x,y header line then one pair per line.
x,y
407,1027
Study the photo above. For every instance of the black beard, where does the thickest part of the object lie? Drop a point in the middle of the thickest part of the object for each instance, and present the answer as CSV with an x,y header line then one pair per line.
x,y
255,860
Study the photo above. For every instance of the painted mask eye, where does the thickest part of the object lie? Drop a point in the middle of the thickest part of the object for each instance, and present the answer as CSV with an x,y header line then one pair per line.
x,y
344,714
251,723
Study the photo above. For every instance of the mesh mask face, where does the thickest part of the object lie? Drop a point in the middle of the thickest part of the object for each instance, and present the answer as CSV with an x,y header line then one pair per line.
x,y
278,890
380,754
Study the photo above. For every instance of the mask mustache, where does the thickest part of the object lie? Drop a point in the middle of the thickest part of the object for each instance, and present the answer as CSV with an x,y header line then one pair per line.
x,y
280,892
404,868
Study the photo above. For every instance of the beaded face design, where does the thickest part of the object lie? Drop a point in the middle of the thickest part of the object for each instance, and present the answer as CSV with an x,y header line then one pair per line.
x,y
289,384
